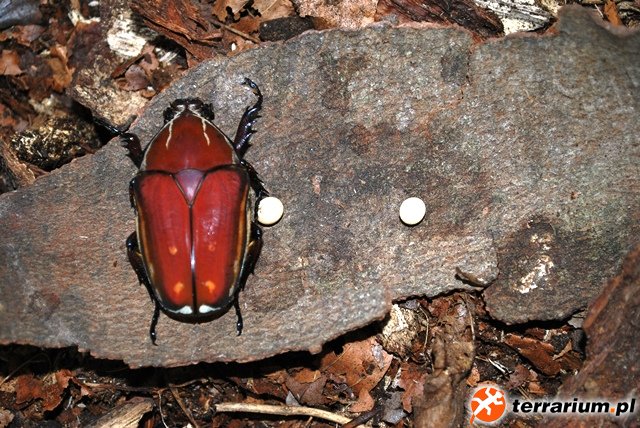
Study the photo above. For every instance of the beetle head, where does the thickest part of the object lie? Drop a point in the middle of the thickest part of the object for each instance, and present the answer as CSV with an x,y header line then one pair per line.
x,y
194,105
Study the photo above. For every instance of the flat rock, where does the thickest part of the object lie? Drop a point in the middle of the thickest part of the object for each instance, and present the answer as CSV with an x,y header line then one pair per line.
x,y
525,151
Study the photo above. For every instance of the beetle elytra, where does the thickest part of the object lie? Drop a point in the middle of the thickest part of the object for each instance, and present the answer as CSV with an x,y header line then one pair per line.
x,y
196,238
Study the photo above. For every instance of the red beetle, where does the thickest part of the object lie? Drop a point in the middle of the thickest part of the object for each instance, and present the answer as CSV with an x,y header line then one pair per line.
x,y
197,238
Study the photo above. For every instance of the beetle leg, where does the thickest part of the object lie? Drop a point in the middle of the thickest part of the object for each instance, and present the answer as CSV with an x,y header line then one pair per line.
x,y
154,323
244,132
255,182
253,252
239,323
255,246
131,142
135,258
132,200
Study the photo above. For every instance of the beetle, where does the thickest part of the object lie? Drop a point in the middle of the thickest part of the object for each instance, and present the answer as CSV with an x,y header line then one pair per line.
x,y
197,238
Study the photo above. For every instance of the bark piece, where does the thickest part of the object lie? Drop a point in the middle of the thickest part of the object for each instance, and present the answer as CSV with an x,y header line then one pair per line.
x,y
465,13
453,348
353,123
93,85
331,14
126,415
611,371
181,21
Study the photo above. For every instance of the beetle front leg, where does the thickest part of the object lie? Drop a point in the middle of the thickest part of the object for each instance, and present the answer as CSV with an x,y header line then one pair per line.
x,y
251,114
135,258
131,142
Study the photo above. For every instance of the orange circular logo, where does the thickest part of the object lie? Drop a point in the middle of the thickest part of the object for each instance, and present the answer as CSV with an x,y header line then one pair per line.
x,y
488,404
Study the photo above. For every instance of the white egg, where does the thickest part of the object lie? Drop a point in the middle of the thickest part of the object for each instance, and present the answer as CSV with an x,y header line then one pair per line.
x,y
412,211
270,211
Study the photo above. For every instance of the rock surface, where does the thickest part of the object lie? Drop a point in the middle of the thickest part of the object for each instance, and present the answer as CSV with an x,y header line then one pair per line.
x,y
525,151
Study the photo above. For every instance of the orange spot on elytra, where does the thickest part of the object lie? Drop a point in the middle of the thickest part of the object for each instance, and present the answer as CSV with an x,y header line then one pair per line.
x,y
210,286
178,287
173,250
211,247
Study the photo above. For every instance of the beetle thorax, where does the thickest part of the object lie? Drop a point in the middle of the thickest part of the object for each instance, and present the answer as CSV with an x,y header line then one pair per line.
x,y
188,141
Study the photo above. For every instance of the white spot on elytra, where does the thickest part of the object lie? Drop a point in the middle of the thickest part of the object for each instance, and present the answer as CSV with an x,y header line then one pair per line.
x,y
185,310
204,309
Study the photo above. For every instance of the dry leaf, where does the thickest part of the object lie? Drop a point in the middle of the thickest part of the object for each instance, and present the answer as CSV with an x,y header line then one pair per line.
x,y
10,63
272,9
220,8
361,365
611,12
247,25
23,34
364,403
307,375
50,390
412,378
5,418
308,393
539,353
271,384
62,76
6,118
149,63
27,389
474,377
519,376
135,79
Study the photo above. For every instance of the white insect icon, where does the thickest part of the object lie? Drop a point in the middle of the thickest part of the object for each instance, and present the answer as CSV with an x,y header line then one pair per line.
x,y
487,404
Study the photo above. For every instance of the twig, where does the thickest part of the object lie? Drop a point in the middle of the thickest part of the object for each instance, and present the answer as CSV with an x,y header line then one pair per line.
x,y
184,408
236,32
282,410
126,415
160,409
147,389
363,418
